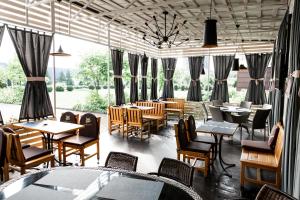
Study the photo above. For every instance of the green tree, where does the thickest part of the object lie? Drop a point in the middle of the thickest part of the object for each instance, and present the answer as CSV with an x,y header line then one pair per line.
x,y
48,79
62,77
15,73
69,80
93,70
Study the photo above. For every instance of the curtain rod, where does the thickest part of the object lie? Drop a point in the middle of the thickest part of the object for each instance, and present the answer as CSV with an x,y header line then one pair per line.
x,y
28,29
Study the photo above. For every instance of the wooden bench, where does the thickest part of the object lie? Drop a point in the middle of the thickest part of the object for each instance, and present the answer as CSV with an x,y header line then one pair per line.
x,y
261,161
176,108
157,114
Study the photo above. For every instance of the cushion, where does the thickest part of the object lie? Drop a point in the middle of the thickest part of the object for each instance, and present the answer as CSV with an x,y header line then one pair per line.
x,y
24,146
31,153
78,140
261,146
273,137
198,147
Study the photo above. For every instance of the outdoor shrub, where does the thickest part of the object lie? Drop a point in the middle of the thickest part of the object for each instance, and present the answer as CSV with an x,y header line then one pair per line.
x,y
176,87
112,87
93,103
70,88
11,95
98,87
3,85
105,87
49,88
59,88
182,88
91,87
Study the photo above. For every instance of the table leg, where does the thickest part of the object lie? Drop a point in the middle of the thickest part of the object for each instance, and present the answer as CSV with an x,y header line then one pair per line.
x,y
222,162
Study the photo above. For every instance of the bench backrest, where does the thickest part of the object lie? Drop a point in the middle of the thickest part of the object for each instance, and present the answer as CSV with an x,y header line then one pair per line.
x,y
178,105
279,144
116,114
159,108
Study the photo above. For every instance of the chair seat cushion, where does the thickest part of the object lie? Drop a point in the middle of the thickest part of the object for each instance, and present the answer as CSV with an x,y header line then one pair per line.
x,y
261,146
205,139
31,153
78,140
24,146
198,147
62,136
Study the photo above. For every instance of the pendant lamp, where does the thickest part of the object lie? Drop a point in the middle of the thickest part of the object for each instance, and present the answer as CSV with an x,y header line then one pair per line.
x,y
236,65
203,71
210,32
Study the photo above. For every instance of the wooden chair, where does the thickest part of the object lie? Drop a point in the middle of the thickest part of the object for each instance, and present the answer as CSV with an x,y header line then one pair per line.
x,y
121,160
194,150
176,170
217,103
268,193
116,119
5,149
86,137
57,139
136,124
260,160
176,108
29,157
206,116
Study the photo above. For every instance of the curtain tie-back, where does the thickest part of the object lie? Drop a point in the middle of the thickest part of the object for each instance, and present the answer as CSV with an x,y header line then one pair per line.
x,y
194,81
118,76
257,80
220,81
32,79
143,76
168,80
135,78
154,79
294,74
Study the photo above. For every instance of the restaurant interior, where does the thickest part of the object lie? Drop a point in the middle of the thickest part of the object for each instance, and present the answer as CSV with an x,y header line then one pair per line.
x,y
149,99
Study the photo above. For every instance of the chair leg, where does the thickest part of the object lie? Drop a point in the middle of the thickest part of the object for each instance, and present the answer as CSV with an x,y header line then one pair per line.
x,y
59,149
242,174
264,134
23,171
206,170
178,156
123,130
82,157
52,164
64,155
252,133
6,172
98,150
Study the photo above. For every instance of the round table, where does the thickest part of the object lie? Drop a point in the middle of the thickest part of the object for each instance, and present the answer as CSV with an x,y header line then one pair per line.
x,y
94,183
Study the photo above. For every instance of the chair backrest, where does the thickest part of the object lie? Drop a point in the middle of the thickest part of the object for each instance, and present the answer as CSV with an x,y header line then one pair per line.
x,y
204,110
116,114
216,114
70,118
279,144
17,155
3,144
260,117
191,127
134,117
91,126
267,192
217,102
246,104
121,160
176,170
1,119
178,105
159,108
181,135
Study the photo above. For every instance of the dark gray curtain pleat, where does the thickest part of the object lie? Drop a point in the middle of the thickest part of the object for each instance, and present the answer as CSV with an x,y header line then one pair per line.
x,y
196,67
117,64
222,66
291,155
1,33
154,78
133,64
33,52
144,68
257,64
169,65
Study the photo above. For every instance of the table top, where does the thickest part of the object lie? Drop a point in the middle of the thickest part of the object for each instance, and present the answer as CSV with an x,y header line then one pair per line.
x,y
235,109
49,126
168,102
94,183
221,128
139,107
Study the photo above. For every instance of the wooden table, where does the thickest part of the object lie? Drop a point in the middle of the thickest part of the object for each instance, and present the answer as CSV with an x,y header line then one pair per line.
x,y
143,108
222,129
94,183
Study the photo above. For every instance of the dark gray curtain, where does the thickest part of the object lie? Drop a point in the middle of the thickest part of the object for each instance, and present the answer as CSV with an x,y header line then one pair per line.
x,y
169,65
1,119
154,78
144,68
257,64
196,67
33,52
222,66
133,64
117,64
291,155
1,33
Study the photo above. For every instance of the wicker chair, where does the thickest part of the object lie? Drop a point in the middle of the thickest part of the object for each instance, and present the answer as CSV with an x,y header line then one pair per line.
x,y
176,170
217,103
206,116
121,160
216,114
268,193
246,104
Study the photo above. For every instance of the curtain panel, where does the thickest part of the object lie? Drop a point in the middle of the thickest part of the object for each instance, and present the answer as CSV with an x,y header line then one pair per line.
x,y
1,33
222,66
196,67
117,65
33,52
133,64
154,78
1,119
169,65
257,64
144,68
291,153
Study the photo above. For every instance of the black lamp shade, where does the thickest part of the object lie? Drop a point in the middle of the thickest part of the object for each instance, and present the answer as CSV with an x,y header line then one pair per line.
x,y
210,34
236,65
203,71
242,67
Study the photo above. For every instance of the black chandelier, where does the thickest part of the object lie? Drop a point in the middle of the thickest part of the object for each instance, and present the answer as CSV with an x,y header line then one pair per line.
x,y
161,37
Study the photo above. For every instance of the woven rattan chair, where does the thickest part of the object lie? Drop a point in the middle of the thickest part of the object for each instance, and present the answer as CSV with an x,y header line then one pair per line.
x,y
176,170
269,193
216,114
121,160
246,104
206,116
217,103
